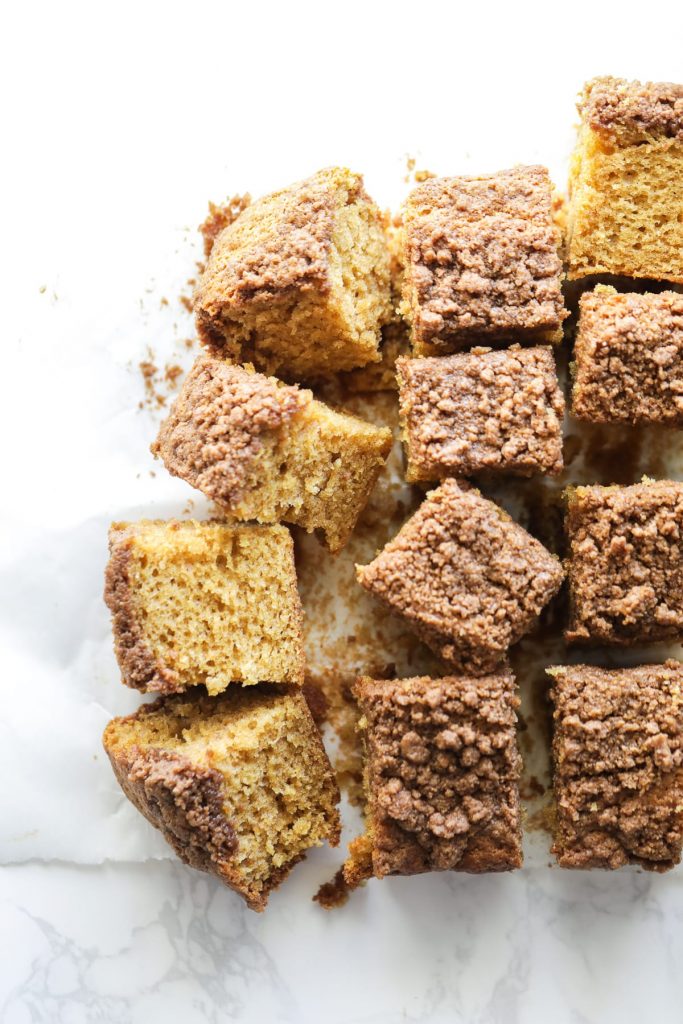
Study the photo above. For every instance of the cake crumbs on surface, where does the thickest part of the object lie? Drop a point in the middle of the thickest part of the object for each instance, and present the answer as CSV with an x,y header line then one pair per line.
x,y
334,894
220,216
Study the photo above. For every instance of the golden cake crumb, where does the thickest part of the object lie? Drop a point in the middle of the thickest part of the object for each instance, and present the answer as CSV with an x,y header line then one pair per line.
x,y
626,181
239,784
203,603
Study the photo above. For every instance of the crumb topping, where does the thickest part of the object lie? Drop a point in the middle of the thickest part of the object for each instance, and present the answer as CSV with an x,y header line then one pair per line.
x,y
443,773
217,425
626,563
629,358
219,217
279,242
482,410
635,111
469,581
482,256
618,753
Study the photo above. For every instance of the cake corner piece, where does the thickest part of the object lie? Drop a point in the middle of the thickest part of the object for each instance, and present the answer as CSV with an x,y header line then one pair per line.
x,y
187,763
299,283
171,588
625,214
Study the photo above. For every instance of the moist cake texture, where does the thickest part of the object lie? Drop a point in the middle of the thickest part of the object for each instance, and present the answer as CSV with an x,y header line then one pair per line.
x,y
618,765
271,452
481,410
625,212
239,784
628,357
625,563
299,283
203,603
441,777
482,261
467,579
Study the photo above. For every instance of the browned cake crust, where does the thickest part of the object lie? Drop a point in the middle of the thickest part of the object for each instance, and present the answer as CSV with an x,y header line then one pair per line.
x,y
442,774
214,433
467,579
293,257
626,563
140,668
618,755
481,410
481,259
629,358
635,111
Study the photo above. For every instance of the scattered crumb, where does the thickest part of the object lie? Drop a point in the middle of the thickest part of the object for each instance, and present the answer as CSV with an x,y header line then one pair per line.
x,y
163,302
542,820
172,373
219,217
423,176
186,302
330,693
333,894
42,289
410,167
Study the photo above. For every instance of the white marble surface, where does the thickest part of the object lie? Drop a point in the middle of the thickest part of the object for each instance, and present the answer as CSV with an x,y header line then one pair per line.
x,y
152,943
122,123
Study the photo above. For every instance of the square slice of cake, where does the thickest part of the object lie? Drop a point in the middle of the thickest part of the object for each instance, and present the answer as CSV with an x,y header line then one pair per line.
x,y
299,282
618,765
441,777
203,603
481,410
626,563
628,358
467,579
239,784
625,213
481,261
267,451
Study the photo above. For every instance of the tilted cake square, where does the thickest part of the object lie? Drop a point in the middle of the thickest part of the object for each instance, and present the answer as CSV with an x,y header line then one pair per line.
x,y
481,410
482,261
625,214
618,765
239,784
441,777
206,603
270,452
299,282
625,563
628,358
467,579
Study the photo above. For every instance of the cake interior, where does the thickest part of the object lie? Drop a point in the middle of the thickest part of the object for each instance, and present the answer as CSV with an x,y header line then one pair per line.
x,y
190,581
626,208
279,793
317,472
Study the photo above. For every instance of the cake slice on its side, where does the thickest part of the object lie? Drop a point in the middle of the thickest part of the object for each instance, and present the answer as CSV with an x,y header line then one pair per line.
x,y
271,452
618,765
203,603
441,777
481,261
481,410
239,785
628,358
299,282
625,213
467,579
